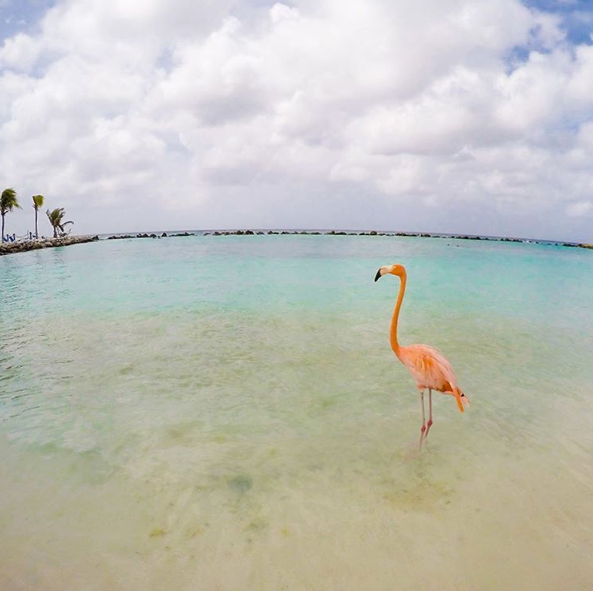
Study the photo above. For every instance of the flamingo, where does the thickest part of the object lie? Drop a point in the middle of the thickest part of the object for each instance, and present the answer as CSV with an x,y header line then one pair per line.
x,y
429,368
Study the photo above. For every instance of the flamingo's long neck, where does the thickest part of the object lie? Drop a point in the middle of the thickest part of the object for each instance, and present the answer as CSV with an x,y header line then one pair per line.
x,y
393,337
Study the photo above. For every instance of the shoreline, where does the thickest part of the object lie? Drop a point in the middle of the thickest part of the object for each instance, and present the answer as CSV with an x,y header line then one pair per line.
x,y
26,246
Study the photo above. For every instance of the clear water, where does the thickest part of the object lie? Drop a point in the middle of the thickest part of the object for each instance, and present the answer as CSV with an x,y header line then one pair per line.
x,y
226,413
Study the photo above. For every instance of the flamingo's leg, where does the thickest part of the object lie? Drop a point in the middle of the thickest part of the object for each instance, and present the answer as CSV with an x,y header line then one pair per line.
x,y
429,424
423,428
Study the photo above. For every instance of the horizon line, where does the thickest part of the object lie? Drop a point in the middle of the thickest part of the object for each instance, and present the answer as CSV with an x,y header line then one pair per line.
x,y
410,233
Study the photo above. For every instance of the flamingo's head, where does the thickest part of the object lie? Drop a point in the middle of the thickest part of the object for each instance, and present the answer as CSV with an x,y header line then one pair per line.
x,y
398,270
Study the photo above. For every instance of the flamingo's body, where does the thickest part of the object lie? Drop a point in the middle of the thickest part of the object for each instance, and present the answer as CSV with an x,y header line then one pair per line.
x,y
430,369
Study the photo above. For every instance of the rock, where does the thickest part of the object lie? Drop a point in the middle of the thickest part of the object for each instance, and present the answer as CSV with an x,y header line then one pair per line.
x,y
164,235
25,246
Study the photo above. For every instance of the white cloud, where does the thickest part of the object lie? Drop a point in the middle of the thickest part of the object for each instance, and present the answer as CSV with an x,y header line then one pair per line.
x,y
19,52
579,209
217,113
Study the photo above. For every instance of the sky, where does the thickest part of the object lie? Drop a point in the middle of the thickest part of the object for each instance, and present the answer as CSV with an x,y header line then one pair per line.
x,y
461,116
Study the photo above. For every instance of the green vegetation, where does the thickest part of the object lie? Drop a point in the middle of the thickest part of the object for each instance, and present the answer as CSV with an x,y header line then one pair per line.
x,y
8,202
56,219
37,205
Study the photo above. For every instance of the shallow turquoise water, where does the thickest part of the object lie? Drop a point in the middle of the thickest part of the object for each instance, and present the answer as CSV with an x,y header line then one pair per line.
x,y
226,413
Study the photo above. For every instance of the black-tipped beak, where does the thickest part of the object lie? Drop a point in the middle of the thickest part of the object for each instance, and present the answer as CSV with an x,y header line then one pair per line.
x,y
378,275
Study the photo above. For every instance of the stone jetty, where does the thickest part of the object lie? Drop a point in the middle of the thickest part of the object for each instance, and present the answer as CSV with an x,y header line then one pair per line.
x,y
25,246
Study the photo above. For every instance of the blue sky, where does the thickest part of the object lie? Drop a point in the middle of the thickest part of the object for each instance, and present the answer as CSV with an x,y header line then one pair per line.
x,y
446,115
577,16
21,15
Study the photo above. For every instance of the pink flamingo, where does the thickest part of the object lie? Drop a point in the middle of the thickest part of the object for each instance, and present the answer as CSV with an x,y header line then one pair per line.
x,y
430,369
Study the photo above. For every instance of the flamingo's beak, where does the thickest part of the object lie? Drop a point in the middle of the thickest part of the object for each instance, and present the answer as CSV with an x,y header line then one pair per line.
x,y
378,275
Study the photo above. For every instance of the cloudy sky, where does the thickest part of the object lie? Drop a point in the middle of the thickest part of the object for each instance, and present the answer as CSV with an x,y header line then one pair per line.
x,y
432,115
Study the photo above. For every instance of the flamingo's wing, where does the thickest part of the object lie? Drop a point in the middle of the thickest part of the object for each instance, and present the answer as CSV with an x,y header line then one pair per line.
x,y
430,368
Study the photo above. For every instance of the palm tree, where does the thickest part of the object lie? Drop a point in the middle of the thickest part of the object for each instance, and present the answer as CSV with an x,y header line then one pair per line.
x,y
8,202
37,205
56,217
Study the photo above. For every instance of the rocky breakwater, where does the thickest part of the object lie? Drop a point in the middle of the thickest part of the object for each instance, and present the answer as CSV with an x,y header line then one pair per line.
x,y
25,246
145,235
398,234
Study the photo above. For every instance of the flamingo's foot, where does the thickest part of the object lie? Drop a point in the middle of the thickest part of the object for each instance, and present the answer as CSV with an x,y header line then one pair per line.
x,y
413,453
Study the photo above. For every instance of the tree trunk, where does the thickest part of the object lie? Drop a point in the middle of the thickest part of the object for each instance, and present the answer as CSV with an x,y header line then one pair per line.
x,y
3,227
36,232
55,232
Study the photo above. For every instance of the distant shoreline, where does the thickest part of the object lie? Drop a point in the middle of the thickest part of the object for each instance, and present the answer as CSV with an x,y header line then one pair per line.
x,y
25,246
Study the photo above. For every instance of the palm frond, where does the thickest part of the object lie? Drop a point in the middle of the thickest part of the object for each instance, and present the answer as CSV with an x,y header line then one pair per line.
x,y
38,201
56,217
8,201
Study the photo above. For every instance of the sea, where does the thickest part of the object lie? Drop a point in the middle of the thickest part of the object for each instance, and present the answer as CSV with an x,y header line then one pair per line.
x,y
225,413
